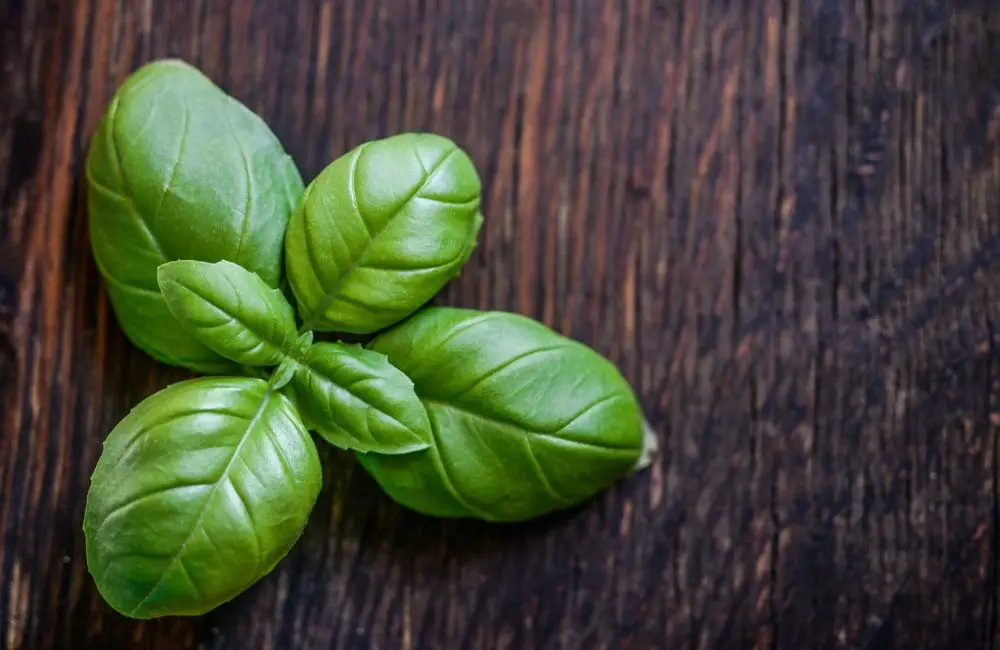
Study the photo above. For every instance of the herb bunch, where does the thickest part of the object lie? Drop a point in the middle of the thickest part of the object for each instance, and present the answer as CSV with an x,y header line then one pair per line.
x,y
218,259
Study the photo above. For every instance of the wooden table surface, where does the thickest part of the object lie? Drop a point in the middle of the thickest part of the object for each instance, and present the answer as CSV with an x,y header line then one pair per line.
x,y
780,218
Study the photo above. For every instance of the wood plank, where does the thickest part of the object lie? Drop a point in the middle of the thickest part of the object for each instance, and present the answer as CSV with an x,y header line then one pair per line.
x,y
780,218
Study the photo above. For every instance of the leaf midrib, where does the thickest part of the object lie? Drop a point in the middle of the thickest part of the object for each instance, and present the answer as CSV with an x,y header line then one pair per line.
x,y
503,423
304,363
331,295
223,476
248,201
233,317
522,433
129,192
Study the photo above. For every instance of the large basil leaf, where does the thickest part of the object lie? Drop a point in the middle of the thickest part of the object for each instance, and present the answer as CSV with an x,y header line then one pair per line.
x,y
357,400
230,310
199,492
381,230
524,421
180,170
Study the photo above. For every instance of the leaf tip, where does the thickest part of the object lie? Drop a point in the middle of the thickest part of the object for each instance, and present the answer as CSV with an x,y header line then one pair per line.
x,y
165,274
167,267
303,343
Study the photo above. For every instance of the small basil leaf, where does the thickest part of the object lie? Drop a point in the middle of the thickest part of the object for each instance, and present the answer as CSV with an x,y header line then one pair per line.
x,y
178,169
524,421
281,378
283,374
302,343
199,492
230,310
357,400
380,231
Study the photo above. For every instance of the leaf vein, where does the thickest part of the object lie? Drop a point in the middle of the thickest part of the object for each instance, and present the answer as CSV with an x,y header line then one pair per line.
x,y
463,327
135,500
201,514
446,473
506,364
190,578
471,204
502,422
279,452
173,417
211,541
231,317
586,410
354,192
176,165
248,179
130,194
402,269
320,376
258,547
542,475
332,294
307,236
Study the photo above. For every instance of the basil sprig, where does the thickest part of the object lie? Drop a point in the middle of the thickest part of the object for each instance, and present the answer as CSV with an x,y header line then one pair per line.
x,y
203,231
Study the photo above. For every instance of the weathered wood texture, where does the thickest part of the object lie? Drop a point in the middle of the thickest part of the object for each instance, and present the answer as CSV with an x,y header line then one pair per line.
x,y
781,218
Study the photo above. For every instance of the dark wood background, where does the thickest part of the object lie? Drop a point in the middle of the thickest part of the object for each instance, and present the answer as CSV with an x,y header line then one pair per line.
x,y
781,218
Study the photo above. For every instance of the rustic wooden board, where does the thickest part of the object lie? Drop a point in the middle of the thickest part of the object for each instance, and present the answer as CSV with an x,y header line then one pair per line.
x,y
781,218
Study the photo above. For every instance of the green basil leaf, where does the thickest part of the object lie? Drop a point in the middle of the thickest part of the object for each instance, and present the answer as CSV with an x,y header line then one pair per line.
x,y
380,231
199,492
230,310
178,169
357,400
524,421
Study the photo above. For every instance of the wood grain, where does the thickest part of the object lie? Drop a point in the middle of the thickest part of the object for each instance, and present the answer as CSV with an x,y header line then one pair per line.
x,y
780,218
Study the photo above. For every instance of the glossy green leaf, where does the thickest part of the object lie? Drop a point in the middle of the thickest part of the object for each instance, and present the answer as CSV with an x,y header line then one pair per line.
x,y
230,310
284,373
177,169
524,421
199,492
357,400
381,230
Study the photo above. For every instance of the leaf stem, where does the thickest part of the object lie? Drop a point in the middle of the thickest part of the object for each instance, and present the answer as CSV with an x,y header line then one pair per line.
x,y
650,447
